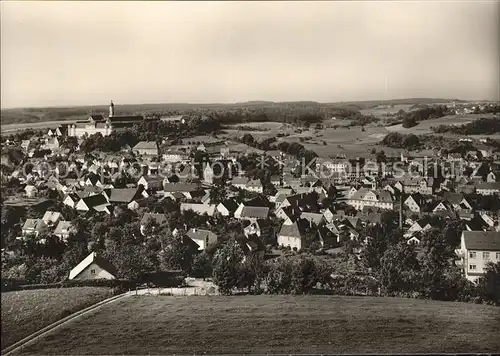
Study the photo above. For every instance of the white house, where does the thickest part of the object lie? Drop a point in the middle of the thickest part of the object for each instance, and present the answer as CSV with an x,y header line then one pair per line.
x,y
203,238
93,267
477,248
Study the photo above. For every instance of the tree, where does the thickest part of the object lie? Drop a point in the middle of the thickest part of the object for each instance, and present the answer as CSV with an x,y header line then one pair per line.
x,y
178,256
399,268
250,274
202,266
227,266
438,266
304,274
409,121
489,284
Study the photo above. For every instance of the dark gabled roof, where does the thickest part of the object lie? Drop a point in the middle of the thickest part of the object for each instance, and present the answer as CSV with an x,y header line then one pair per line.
x,y
453,198
126,118
93,258
199,234
259,212
95,200
230,205
150,145
97,117
180,187
123,195
492,185
297,229
255,243
482,240
154,181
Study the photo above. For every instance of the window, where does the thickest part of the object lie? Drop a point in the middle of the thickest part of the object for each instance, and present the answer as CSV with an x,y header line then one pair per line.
x,y
472,267
498,256
486,256
92,271
472,254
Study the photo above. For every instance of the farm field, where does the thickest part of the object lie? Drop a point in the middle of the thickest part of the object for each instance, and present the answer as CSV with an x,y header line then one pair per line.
x,y
24,312
276,324
13,128
351,142
382,111
424,127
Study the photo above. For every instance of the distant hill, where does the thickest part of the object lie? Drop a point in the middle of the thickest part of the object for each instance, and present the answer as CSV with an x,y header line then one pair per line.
x,y
33,115
409,101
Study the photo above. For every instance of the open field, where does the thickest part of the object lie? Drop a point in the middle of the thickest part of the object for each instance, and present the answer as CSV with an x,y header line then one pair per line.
x,y
276,324
13,128
424,127
351,142
24,312
383,110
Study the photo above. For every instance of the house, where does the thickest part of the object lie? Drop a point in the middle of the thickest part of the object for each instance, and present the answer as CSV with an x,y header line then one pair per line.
x,y
253,246
151,183
477,248
31,191
95,202
257,227
251,212
146,148
314,219
227,207
34,226
63,229
52,143
457,201
26,145
382,199
421,225
71,200
158,219
208,174
254,185
128,196
276,181
492,177
488,188
443,206
93,267
422,185
176,191
293,235
414,202
203,238
200,209
51,218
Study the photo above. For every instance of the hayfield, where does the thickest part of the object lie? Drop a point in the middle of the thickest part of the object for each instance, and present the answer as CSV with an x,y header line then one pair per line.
x,y
24,312
276,324
382,111
327,142
424,127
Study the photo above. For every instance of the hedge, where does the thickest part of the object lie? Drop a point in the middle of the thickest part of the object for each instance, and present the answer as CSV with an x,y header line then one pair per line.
x,y
118,284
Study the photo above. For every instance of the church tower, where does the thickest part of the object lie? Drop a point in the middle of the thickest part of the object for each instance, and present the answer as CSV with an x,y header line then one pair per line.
x,y
111,109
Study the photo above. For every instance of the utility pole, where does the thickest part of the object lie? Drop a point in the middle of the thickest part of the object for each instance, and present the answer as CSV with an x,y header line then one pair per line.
x,y
401,210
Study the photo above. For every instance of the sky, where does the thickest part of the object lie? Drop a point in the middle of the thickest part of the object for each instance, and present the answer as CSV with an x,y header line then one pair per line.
x,y
80,53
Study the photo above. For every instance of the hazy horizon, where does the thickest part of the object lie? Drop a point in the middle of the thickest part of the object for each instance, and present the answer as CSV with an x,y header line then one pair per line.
x,y
62,54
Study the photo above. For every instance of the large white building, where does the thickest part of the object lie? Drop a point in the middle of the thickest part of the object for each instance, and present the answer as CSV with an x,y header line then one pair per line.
x,y
477,249
98,124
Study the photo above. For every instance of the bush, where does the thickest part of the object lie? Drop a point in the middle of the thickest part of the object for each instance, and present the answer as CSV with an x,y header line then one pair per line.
x,y
409,122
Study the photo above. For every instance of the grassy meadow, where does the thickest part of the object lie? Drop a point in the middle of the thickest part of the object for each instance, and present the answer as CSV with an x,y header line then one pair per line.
x,y
24,312
276,324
